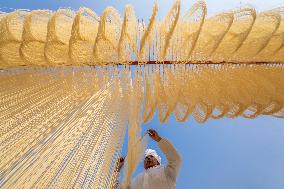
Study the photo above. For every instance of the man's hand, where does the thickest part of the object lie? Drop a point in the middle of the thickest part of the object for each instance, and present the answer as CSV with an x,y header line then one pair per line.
x,y
120,163
154,135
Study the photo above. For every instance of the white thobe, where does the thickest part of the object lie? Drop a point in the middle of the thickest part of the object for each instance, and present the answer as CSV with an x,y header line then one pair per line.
x,y
160,177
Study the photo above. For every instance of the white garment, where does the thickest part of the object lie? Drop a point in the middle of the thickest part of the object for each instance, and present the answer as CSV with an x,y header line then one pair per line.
x,y
160,177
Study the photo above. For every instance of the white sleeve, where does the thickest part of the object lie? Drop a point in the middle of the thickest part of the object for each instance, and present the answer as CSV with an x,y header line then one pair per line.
x,y
173,157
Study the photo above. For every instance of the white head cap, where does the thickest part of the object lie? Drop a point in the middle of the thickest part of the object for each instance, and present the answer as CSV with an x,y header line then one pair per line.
x,y
153,153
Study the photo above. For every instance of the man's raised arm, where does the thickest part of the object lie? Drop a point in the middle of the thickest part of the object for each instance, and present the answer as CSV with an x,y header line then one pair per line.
x,y
173,157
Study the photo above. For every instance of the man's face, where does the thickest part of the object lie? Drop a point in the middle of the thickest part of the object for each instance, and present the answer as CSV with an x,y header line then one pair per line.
x,y
150,161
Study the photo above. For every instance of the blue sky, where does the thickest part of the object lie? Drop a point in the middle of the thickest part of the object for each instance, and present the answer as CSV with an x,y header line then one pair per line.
x,y
227,153
142,7
219,154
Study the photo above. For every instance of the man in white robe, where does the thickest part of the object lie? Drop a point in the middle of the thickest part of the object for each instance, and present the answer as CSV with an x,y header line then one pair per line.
x,y
156,176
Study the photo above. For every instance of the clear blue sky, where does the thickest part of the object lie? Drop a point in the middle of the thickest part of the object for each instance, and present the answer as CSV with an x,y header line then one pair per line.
x,y
219,154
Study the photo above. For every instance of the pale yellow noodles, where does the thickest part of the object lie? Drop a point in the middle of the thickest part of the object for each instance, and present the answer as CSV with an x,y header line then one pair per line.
x,y
64,126
64,113
136,146
64,37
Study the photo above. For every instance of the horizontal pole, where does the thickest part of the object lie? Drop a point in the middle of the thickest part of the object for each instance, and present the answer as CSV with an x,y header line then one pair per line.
x,y
188,62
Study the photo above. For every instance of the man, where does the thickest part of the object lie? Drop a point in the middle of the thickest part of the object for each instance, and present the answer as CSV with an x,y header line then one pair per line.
x,y
156,176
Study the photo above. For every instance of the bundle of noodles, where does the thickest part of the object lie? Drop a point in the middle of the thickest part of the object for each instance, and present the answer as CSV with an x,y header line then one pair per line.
x,y
136,145
60,128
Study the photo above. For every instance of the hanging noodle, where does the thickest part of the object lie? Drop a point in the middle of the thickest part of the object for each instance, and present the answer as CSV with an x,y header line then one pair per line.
x,y
68,93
